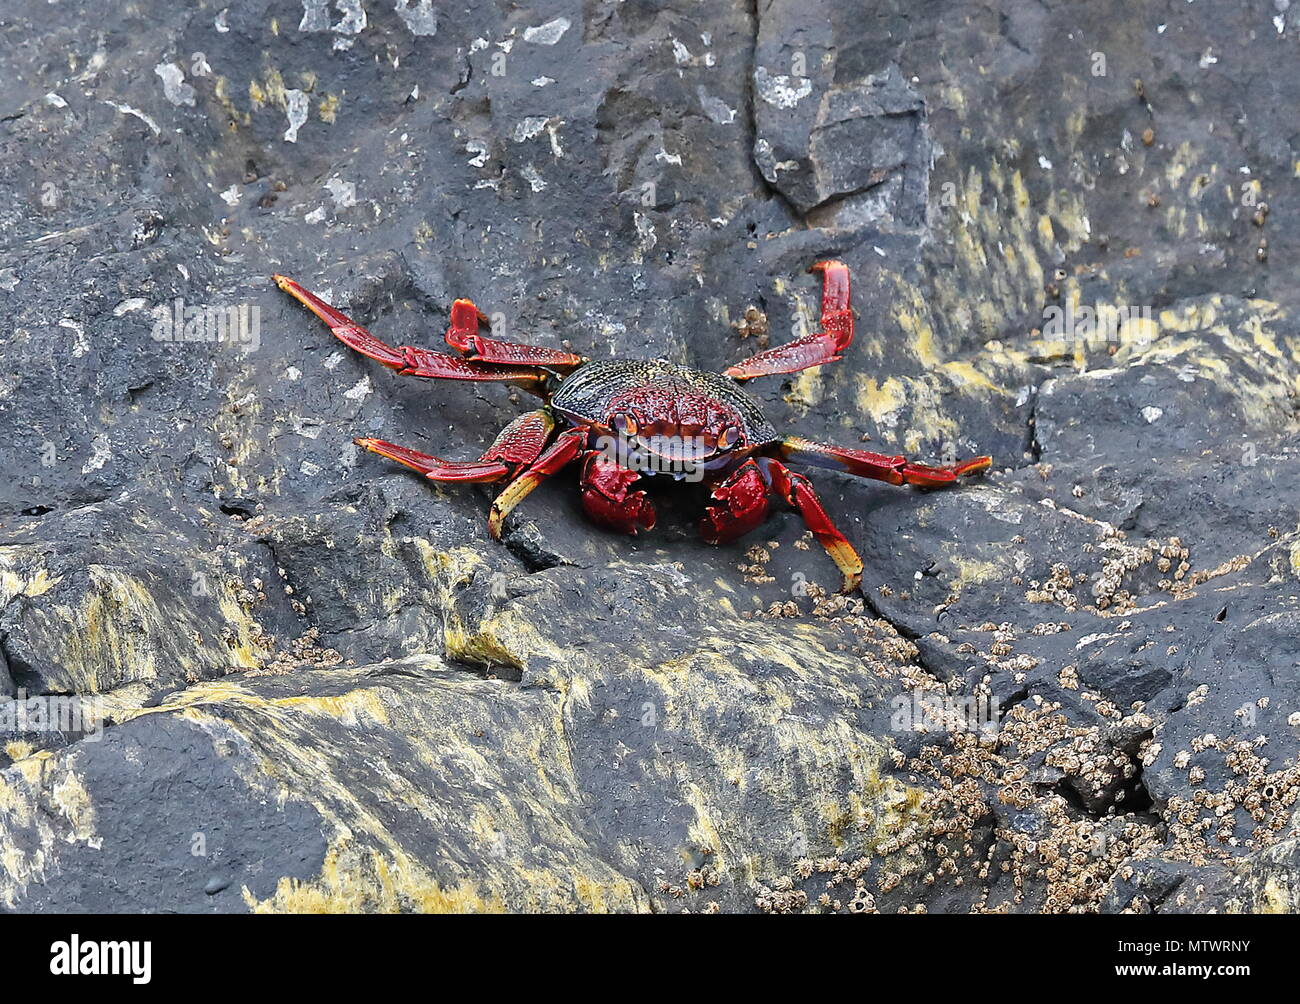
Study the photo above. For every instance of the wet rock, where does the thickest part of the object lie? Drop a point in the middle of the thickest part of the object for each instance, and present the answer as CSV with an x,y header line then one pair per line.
x,y
129,592
6,678
863,145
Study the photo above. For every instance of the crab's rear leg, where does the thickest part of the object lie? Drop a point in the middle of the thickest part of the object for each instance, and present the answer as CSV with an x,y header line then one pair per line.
x,y
897,470
567,445
406,359
518,445
463,336
798,491
825,346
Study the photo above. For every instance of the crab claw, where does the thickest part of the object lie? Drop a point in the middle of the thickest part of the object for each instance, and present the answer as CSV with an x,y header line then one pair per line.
x,y
606,498
742,499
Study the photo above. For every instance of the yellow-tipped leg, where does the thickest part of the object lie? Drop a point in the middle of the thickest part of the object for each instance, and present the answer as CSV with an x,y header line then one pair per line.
x,y
566,446
798,491
974,465
846,560
515,492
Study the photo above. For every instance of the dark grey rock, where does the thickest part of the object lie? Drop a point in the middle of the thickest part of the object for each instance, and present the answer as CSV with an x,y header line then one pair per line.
x,y
6,680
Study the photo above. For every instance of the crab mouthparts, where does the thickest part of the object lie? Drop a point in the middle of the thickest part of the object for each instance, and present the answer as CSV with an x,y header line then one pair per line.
x,y
677,449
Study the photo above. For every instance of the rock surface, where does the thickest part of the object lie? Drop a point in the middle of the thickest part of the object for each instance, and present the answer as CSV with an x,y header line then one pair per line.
x,y
325,687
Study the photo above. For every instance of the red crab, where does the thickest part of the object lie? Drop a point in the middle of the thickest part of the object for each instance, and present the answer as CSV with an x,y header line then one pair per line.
x,y
624,419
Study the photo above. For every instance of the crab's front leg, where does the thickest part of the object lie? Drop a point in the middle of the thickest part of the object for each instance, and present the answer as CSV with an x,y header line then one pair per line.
x,y
517,446
798,491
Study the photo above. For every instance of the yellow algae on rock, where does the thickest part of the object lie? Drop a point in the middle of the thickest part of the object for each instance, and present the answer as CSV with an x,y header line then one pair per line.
x,y
329,108
361,881
23,574
881,402
487,809
806,388
44,806
114,627
491,807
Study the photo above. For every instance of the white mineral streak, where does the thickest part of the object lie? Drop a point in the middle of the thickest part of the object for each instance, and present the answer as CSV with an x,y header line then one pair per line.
x,y
128,110
419,19
715,108
343,192
100,453
548,33
535,180
529,127
354,17
129,306
645,228
781,91
295,107
79,344
315,16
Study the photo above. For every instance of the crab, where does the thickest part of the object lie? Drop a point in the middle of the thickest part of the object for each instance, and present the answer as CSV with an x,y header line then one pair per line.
x,y
624,420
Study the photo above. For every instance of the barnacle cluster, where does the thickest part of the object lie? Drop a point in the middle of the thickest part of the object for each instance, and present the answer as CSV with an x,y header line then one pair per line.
x,y
992,830
1203,825
1109,588
305,650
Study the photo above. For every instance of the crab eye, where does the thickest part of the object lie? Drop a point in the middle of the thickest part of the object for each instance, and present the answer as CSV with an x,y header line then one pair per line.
x,y
624,424
730,436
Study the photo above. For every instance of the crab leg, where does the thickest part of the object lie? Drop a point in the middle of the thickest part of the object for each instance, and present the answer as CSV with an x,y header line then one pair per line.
x,y
405,359
897,470
825,346
463,336
566,446
798,491
435,468
517,446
